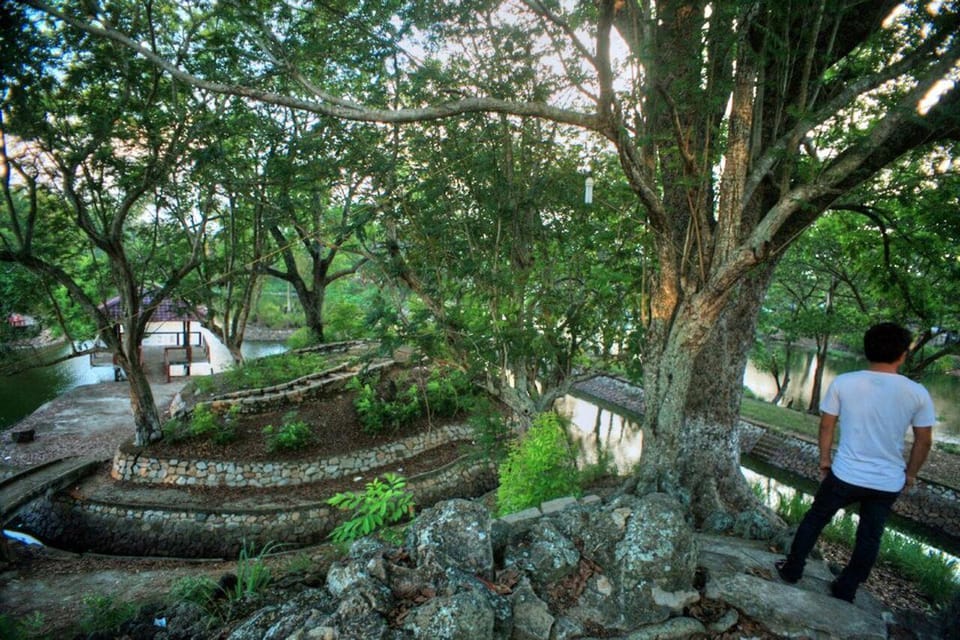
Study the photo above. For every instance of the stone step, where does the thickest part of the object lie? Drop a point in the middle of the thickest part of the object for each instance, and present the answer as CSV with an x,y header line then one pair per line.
x,y
743,572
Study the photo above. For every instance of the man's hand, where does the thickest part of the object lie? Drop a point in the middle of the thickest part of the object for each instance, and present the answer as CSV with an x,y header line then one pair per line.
x,y
922,441
828,424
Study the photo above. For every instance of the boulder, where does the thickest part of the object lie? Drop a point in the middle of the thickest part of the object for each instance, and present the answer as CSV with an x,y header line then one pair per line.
x,y
547,557
533,620
453,533
466,615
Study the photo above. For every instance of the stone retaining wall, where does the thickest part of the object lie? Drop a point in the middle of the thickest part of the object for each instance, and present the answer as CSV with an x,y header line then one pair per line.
x,y
164,530
135,466
932,506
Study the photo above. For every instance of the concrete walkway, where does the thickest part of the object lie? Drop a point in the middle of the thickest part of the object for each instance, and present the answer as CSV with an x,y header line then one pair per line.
x,y
89,420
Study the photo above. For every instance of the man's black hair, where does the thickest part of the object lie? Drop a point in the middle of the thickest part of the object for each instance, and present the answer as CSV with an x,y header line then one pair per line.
x,y
885,342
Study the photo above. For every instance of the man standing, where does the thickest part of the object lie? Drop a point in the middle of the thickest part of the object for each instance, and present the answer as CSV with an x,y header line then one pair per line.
x,y
875,408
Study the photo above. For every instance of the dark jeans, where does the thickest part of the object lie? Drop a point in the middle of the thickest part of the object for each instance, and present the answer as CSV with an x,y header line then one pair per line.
x,y
835,494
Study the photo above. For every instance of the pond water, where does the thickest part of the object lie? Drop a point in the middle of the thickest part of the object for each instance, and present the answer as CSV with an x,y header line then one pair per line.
x,y
23,393
944,389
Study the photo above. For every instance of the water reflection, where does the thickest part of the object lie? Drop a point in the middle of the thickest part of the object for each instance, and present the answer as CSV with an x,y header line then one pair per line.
x,y
944,389
23,393
254,349
600,435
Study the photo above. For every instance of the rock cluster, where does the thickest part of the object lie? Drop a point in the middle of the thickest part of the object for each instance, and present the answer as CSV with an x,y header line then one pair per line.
x,y
595,569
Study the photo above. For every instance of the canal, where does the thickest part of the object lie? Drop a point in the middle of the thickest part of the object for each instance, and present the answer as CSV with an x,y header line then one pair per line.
x,y
603,433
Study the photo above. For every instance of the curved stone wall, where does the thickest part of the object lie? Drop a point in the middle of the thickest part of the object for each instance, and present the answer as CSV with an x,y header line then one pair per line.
x,y
164,530
135,466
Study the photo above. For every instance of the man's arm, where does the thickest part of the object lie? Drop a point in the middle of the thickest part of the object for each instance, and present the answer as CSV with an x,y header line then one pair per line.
x,y
922,441
828,424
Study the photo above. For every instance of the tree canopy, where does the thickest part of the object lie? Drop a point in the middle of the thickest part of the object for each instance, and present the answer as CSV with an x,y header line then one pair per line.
x,y
735,126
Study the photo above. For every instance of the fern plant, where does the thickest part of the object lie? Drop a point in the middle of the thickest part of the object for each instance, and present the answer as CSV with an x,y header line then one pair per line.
x,y
384,502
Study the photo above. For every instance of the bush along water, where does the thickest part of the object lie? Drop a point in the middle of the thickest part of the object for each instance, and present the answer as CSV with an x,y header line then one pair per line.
x,y
540,466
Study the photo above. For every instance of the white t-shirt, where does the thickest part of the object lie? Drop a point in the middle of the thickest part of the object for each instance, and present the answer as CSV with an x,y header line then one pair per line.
x,y
875,411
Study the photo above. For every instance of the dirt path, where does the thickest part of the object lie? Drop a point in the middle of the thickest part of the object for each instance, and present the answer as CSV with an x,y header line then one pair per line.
x,y
55,585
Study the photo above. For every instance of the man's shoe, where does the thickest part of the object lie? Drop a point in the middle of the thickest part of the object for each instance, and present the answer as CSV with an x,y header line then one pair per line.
x,y
786,577
841,595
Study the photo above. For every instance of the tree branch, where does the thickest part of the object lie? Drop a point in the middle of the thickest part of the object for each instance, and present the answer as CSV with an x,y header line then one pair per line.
x,y
335,108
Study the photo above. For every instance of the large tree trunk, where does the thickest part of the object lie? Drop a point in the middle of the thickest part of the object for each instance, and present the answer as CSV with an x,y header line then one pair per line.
x,y
710,449
146,418
312,302
692,400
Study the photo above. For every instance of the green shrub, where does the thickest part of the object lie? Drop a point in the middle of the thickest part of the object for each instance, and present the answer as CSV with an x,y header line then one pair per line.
x,y
378,414
369,408
204,423
301,338
447,392
265,372
103,615
382,503
539,467
196,589
948,447
404,408
253,574
292,435
24,628
174,430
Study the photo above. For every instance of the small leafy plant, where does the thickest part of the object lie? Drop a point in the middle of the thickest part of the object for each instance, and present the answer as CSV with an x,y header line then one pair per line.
x,y
199,590
104,615
447,392
490,431
384,502
204,423
253,574
290,436
23,628
541,466
378,414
